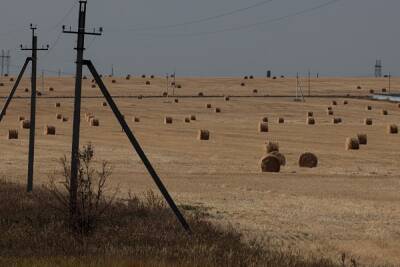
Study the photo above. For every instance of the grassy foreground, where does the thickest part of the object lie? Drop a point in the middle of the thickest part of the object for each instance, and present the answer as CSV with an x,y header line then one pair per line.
x,y
133,232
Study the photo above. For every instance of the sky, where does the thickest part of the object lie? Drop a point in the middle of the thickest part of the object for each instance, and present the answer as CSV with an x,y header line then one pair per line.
x,y
191,37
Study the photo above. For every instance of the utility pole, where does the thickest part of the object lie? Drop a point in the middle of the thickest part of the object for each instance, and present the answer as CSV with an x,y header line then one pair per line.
x,y
34,50
80,62
390,82
81,32
8,62
112,70
43,80
309,83
59,73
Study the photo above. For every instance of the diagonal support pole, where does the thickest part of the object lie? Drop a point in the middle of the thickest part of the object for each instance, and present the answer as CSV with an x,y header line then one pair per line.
x,y
137,146
10,97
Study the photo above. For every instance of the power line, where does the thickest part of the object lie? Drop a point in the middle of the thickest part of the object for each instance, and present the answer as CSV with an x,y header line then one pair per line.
x,y
201,20
252,25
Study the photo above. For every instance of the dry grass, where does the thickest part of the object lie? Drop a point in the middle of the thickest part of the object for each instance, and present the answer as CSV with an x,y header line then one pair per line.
x,y
132,232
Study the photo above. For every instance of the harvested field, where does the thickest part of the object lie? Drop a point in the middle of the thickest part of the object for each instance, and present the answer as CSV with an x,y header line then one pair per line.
x,y
349,203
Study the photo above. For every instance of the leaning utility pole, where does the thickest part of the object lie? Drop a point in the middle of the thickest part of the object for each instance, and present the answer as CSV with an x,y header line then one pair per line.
x,y
309,83
81,32
32,126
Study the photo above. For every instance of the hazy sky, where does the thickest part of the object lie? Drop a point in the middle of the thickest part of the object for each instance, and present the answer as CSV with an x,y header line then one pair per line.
x,y
344,38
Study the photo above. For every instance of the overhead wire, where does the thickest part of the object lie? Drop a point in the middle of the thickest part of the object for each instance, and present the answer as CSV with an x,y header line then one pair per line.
x,y
201,20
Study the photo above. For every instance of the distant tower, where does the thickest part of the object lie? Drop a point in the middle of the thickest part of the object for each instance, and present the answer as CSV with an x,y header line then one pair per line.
x,y
378,69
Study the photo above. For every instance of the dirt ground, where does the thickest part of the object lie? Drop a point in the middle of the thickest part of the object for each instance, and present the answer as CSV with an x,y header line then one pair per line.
x,y
350,203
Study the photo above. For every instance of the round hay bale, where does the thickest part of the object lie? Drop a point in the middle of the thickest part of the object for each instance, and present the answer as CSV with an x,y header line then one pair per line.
x,y
176,100
51,89
21,118
251,77
173,83
362,139
217,110
84,77
128,77
310,121
263,127
334,103
337,120
143,76
136,119
49,130
11,79
368,121
200,94
94,122
58,116
310,114
308,160
227,98
193,117
114,81
38,93
372,91
148,82
93,86
65,119
245,77
255,91
359,87
152,77
271,147
168,120
352,144
398,105
203,135
140,97
242,84
330,112
264,119
368,108
345,102
165,94
384,90
12,134
329,108
25,124
281,120
104,104
1,84
385,112
179,86
57,105
280,156
208,106
274,78
270,163
187,120
26,90
393,129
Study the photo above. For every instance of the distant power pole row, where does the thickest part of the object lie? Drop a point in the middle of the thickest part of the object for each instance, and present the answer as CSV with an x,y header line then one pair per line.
x,y
5,62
